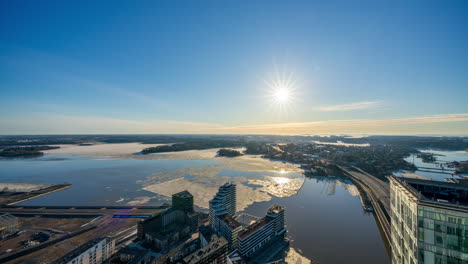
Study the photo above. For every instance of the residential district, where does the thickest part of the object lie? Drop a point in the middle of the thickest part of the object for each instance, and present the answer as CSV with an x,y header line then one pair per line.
x,y
428,223
179,234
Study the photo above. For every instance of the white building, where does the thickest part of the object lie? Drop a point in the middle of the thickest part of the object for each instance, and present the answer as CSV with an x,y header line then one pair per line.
x,y
224,203
95,251
257,235
229,228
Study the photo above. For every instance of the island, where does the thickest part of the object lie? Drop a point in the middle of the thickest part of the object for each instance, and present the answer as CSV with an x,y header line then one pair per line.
x,y
196,145
427,157
25,151
228,153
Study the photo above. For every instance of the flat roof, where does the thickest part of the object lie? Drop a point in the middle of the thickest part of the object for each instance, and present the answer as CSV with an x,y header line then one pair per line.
x,y
452,193
253,227
246,219
231,222
215,243
79,250
276,208
183,194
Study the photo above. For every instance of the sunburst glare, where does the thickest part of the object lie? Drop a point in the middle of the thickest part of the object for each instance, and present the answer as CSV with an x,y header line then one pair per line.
x,y
281,180
281,89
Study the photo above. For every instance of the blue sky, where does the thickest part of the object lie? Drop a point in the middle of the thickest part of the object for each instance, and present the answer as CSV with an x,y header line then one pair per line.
x,y
377,67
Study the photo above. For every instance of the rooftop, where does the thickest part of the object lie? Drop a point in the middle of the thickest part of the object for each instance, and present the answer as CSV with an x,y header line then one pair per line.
x,y
453,192
236,257
276,209
79,250
231,222
215,243
246,219
183,194
137,254
252,228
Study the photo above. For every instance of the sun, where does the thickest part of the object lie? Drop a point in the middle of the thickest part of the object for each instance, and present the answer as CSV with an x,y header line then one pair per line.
x,y
282,95
281,89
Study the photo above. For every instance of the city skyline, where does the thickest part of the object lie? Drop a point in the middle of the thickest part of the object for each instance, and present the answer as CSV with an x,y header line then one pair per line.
x,y
212,68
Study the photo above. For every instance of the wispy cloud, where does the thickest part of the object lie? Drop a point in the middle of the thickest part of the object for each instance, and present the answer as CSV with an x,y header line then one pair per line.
x,y
351,106
411,124
63,124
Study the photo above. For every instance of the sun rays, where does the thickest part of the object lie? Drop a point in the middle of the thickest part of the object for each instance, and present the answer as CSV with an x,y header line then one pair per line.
x,y
281,90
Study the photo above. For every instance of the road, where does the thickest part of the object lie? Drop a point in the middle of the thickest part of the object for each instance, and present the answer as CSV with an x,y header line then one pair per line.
x,y
378,193
380,188
81,211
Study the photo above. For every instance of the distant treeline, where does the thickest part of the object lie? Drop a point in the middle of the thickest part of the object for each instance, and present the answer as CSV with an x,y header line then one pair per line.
x,y
80,139
30,151
193,146
424,142
418,142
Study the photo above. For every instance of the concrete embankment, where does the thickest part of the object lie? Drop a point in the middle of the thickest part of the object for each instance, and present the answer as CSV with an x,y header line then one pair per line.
x,y
11,198
22,186
377,193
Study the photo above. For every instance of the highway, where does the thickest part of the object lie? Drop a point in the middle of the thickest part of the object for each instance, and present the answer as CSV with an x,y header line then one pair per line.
x,y
378,193
380,188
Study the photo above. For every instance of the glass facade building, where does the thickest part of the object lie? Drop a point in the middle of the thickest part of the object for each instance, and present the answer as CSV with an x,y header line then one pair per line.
x,y
429,221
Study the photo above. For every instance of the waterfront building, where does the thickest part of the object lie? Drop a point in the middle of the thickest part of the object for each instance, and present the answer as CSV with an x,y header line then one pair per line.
x,y
246,219
96,251
429,221
255,236
183,201
215,252
229,229
170,226
224,203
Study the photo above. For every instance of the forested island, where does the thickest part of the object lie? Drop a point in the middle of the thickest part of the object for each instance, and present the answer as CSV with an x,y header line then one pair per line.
x,y
198,145
228,153
459,166
426,157
25,151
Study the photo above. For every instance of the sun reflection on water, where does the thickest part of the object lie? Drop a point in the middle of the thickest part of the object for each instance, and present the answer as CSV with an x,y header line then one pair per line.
x,y
281,180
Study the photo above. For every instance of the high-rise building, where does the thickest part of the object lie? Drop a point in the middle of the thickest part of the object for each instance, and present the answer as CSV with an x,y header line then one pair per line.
x,y
258,234
429,221
183,201
168,227
224,203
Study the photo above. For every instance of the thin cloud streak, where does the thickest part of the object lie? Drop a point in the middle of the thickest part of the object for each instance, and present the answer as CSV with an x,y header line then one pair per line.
x,y
352,106
62,124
